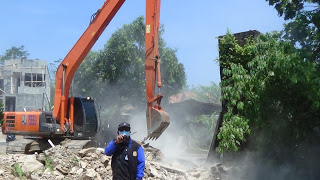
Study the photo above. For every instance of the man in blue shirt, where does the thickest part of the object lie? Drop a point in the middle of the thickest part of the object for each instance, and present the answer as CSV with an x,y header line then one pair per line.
x,y
128,159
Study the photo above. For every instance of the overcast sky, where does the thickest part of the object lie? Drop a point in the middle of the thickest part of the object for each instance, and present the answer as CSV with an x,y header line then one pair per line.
x,y
49,29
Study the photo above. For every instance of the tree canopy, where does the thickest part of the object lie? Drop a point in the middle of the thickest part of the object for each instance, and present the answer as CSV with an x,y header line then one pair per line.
x,y
211,93
303,28
15,52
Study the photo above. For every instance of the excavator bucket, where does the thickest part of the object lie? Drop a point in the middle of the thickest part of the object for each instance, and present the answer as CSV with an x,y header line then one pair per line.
x,y
157,122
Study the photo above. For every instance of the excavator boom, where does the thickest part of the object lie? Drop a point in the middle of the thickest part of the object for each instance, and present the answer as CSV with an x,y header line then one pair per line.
x,y
157,119
74,58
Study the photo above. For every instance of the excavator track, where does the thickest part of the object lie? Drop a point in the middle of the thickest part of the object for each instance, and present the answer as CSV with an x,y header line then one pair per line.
x,y
29,146
78,145
20,146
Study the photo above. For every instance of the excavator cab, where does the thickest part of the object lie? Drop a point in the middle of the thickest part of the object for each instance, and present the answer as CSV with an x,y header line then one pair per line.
x,y
86,118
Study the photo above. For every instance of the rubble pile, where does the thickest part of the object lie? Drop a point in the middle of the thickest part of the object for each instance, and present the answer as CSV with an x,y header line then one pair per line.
x,y
61,163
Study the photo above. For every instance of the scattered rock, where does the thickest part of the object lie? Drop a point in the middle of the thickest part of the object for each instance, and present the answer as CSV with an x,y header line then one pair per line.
x,y
83,164
90,174
84,152
47,172
73,170
61,169
79,171
31,164
61,163
154,172
195,174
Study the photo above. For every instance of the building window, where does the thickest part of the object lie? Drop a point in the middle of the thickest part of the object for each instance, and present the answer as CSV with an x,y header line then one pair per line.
x,y
34,80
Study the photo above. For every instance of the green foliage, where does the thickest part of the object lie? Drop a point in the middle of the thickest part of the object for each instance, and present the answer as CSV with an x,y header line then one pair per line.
x,y
17,171
210,93
304,32
52,68
86,79
234,91
289,8
172,72
121,63
303,28
208,120
300,107
200,131
48,164
207,123
15,52
268,89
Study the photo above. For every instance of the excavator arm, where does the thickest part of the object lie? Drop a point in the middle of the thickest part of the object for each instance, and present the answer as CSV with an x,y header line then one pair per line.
x,y
157,119
74,58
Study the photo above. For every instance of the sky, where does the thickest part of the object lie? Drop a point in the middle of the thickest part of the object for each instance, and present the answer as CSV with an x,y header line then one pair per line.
x,y
49,29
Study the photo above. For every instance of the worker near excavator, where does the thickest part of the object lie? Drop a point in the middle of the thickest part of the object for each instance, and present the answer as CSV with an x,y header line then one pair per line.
x,y
128,159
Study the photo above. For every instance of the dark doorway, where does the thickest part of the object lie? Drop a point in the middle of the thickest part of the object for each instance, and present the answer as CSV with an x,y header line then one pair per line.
x,y
1,86
10,103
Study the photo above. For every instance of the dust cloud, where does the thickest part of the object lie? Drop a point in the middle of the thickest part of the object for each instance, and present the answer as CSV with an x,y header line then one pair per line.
x,y
172,143
252,165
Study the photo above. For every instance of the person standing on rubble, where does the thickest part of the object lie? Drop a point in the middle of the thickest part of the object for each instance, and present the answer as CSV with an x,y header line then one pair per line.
x,y
128,159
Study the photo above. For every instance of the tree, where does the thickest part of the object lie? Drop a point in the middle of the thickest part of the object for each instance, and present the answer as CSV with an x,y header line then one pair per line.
x,y
173,74
288,8
121,62
210,93
86,80
52,68
272,94
303,28
15,52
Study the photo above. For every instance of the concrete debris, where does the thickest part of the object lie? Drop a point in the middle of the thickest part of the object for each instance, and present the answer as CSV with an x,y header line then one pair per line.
x,y
61,163
61,169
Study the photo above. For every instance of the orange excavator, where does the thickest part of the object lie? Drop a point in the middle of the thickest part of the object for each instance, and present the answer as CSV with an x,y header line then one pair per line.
x,y
77,117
